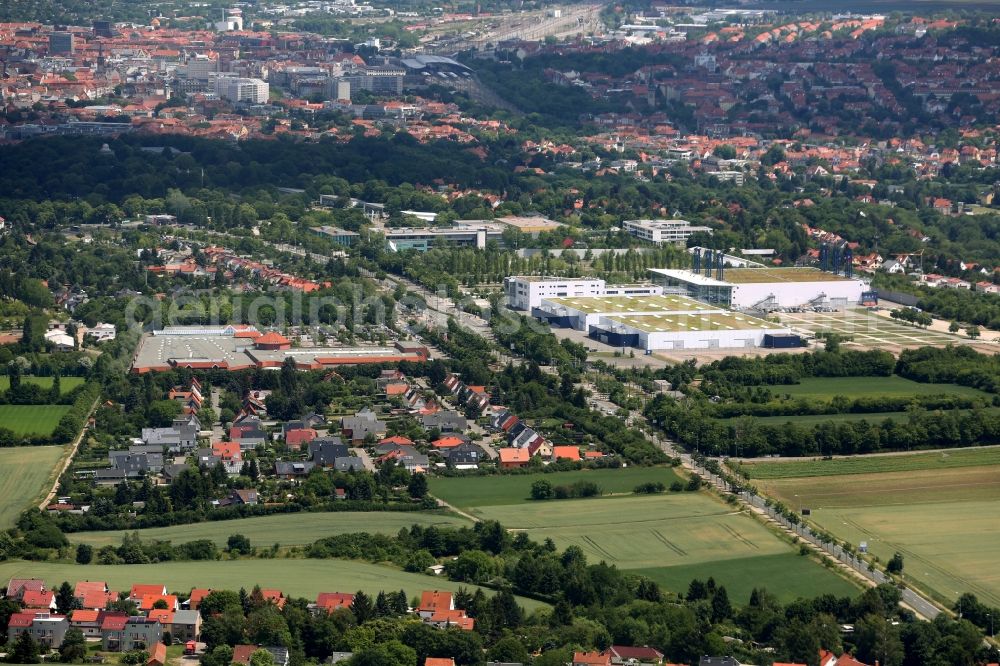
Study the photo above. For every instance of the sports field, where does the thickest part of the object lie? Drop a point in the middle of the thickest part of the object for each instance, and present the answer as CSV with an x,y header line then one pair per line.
x,y
38,420
470,492
938,509
820,388
299,578
293,529
66,384
658,534
26,474
867,329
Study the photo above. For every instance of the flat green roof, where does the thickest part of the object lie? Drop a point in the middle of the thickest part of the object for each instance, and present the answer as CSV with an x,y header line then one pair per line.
x,y
623,304
794,274
683,323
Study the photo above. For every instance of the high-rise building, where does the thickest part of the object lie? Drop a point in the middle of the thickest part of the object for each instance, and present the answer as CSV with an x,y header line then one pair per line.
x,y
238,89
103,29
61,42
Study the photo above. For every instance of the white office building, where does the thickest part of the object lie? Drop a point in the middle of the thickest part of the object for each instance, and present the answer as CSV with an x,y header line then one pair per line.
x,y
673,232
528,292
238,89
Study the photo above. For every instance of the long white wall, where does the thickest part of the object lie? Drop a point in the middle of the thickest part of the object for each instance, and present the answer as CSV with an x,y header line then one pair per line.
x,y
708,339
790,294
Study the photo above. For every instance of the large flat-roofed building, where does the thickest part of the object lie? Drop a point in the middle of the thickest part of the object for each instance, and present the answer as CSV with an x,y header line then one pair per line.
x,y
526,292
585,312
763,288
529,224
244,347
461,234
337,235
61,43
680,331
239,89
670,232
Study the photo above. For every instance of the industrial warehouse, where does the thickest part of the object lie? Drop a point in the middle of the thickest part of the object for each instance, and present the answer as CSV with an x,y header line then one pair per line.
x,y
765,289
710,306
240,347
661,322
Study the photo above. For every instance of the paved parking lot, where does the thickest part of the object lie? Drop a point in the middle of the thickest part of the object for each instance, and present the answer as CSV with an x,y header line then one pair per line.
x,y
868,329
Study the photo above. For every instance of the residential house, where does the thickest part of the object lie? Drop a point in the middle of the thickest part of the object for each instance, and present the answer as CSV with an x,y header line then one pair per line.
x,y
292,470
464,456
511,458
39,600
297,437
325,451
349,464
139,591
93,595
243,497
242,654
566,453
408,457
16,587
432,601
445,422
331,601
150,601
363,424
591,659
621,654
179,437
439,661
136,633
89,621
449,441
196,596
186,625
157,656
48,629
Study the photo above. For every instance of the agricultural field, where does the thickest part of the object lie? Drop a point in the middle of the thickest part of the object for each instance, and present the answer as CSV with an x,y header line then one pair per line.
x,y
38,420
66,384
936,508
294,529
873,464
26,474
299,578
948,547
789,574
825,388
657,534
470,492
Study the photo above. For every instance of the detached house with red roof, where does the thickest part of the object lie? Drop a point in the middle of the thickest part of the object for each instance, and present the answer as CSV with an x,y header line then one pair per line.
x,y
591,659
331,601
16,587
621,654
139,591
93,595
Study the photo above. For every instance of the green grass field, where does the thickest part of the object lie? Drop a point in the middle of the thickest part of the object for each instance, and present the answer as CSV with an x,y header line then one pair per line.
x,y
788,575
38,420
870,387
469,492
948,547
299,578
26,474
294,529
66,384
656,534
874,464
